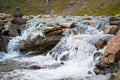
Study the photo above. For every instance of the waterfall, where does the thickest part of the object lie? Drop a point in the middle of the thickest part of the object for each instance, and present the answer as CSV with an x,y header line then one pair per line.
x,y
79,50
47,2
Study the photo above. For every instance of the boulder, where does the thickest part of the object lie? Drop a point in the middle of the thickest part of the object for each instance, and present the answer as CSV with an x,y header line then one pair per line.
x,y
86,17
58,32
1,24
118,32
35,67
53,31
53,66
14,29
67,25
36,36
18,21
99,71
118,75
75,31
8,15
40,45
3,43
64,58
90,23
115,23
110,29
47,16
39,16
100,44
112,51
114,18
2,16
4,32
18,17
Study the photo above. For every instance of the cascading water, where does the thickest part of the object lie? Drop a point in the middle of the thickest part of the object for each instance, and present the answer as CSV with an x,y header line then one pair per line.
x,y
47,2
78,49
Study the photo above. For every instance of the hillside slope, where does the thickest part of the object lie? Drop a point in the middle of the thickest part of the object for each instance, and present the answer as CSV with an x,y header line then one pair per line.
x,y
63,7
92,7
100,7
31,6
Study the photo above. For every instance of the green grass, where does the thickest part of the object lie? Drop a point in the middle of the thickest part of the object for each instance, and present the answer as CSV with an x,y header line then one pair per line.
x,y
30,6
34,7
27,6
101,8
59,4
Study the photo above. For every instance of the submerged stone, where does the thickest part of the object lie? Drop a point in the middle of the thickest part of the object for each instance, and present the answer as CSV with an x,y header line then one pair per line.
x,y
35,67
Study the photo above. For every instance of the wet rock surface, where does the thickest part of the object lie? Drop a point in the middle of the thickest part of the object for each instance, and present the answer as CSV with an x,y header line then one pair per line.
x,y
40,45
115,20
3,43
10,65
3,16
110,29
72,79
118,32
109,62
101,43
53,31
112,51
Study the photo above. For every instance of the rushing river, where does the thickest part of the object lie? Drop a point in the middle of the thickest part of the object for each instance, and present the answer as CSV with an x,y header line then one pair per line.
x,y
80,50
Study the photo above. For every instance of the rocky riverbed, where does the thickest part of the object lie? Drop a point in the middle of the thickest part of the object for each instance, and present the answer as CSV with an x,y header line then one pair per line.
x,y
50,47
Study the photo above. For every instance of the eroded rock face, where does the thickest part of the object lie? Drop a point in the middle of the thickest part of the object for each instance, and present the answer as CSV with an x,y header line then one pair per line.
x,y
112,51
40,45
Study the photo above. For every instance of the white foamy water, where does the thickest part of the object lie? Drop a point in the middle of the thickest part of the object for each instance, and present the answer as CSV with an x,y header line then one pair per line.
x,y
79,49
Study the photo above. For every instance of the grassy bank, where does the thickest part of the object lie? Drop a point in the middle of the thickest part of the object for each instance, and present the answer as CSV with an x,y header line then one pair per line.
x,y
91,7
101,8
30,6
